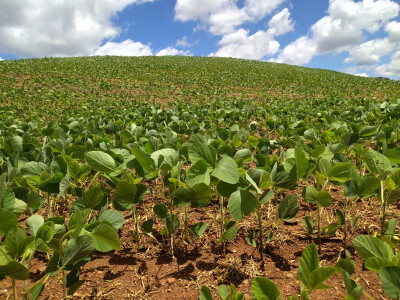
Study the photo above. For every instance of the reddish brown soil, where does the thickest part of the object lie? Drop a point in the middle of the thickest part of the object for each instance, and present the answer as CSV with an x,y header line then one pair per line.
x,y
153,274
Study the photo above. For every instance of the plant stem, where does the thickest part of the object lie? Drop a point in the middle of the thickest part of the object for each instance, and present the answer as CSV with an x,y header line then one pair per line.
x,y
319,226
135,221
345,224
24,294
260,234
186,229
64,283
222,212
14,288
172,226
49,206
383,209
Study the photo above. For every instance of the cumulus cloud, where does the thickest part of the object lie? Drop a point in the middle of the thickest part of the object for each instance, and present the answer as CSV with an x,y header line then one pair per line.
x,y
57,28
370,52
173,51
343,29
1,59
281,23
391,69
393,30
362,74
125,48
240,44
183,42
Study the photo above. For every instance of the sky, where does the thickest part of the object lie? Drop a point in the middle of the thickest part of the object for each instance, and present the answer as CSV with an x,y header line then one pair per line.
x,y
360,37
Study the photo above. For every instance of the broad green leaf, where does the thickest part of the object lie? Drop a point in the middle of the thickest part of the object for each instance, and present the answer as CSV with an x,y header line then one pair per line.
x,y
34,222
241,203
15,270
171,156
7,199
76,249
318,277
199,151
52,185
368,186
15,241
390,277
205,293
125,192
46,232
34,200
370,246
36,290
147,226
181,197
376,263
198,173
309,194
308,225
223,292
8,220
324,166
33,168
105,238
264,289
160,210
302,163
115,218
378,164
100,161
309,262
199,228
323,198
227,170
288,208
341,172
200,195
94,198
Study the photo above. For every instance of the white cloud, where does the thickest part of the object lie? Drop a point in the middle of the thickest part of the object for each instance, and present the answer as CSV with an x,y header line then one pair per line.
x,y
300,52
194,10
362,74
226,20
173,51
240,45
1,59
183,42
258,9
281,23
370,52
125,48
57,28
391,69
393,29
343,29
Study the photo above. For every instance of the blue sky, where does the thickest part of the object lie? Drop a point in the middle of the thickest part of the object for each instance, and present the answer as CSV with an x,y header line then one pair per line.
x,y
354,36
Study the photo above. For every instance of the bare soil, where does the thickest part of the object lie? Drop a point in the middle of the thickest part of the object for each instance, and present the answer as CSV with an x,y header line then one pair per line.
x,y
152,273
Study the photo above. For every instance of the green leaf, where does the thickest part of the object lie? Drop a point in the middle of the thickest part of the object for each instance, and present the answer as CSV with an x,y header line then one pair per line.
x,y
200,195
378,164
52,185
160,210
323,198
105,238
346,265
341,172
147,226
368,186
264,289
76,249
94,198
34,200
170,156
181,197
15,270
198,173
309,262
288,208
100,161
15,241
205,293
7,221
199,151
33,168
36,290
308,225
199,228
324,166
309,194
370,246
7,199
241,203
319,276
113,217
302,164
227,170
390,277
223,292
376,263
